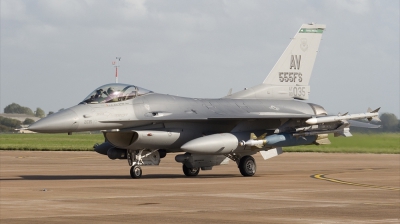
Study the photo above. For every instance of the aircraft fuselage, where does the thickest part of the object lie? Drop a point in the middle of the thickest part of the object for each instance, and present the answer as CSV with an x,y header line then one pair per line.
x,y
156,108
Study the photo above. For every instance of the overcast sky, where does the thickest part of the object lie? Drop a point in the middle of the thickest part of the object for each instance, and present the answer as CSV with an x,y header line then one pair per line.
x,y
54,53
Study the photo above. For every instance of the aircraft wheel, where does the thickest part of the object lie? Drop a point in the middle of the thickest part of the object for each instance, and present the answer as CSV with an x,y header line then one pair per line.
x,y
247,166
190,172
136,172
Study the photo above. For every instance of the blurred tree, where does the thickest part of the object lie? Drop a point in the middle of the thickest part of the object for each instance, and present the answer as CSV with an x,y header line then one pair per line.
x,y
4,128
28,121
40,113
17,109
389,122
50,113
11,123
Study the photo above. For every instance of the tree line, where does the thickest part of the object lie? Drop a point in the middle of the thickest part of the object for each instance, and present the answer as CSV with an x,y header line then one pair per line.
x,y
18,109
9,124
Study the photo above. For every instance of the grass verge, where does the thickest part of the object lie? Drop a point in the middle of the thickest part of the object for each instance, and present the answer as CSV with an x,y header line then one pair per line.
x,y
50,142
385,143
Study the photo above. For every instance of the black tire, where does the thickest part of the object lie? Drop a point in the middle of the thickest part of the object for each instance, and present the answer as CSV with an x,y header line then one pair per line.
x,y
247,166
136,172
190,172
162,152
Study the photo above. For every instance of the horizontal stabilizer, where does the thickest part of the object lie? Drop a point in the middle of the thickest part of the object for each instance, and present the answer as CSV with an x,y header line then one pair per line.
x,y
360,124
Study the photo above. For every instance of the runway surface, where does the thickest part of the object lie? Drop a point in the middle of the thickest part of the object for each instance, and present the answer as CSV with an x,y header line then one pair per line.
x,y
85,187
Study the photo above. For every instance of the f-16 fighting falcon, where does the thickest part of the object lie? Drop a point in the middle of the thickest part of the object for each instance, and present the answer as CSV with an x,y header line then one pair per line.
x,y
142,126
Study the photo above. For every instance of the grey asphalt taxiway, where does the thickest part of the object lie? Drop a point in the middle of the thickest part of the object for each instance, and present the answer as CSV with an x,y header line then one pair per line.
x,y
85,187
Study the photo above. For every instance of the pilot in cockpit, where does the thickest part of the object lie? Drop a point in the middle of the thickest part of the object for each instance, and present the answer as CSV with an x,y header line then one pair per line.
x,y
99,92
113,93
110,91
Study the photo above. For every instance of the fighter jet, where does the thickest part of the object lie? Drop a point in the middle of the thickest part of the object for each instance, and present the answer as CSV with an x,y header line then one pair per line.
x,y
142,126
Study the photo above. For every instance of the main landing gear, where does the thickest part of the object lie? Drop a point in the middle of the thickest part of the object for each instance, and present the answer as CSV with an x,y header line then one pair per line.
x,y
190,172
191,163
247,166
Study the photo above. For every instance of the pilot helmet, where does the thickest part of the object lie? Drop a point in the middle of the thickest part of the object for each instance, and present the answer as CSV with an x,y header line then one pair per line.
x,y
110,90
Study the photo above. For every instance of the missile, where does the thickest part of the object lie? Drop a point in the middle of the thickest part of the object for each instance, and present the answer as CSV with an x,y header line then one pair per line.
x,y
280,140
327,119
258,142
284,140
253,142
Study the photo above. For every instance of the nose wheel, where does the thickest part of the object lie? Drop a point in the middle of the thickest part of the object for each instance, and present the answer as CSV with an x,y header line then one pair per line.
x,y
136,172
144,157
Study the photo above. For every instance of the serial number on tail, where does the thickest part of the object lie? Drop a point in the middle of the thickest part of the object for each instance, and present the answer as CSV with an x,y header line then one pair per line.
x,y
297,91
290,77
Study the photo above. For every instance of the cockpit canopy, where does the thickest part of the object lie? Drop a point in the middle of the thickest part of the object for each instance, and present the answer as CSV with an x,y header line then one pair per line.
x,y
115,92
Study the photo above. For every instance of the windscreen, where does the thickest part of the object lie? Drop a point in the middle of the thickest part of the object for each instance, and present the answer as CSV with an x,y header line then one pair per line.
x,y
114,92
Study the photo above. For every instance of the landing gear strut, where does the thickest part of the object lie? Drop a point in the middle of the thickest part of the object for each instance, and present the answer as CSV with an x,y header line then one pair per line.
x,y
143,157
247,166
190,172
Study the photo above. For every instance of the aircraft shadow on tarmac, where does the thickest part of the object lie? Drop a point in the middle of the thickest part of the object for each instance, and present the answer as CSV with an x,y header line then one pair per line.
x,y
108,177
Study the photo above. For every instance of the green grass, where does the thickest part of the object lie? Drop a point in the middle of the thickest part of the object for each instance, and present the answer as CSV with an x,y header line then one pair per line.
x,y
388,143
50,142
359,143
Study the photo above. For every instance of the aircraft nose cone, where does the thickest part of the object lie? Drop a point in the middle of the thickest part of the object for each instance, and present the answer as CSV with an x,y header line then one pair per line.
x,y
63,121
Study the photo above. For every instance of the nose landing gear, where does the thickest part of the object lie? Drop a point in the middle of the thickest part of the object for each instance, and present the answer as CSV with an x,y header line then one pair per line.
x,y
136,172
143,157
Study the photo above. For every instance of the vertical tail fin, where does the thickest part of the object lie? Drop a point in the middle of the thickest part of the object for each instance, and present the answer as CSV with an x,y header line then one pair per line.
x,y
297,61
290,76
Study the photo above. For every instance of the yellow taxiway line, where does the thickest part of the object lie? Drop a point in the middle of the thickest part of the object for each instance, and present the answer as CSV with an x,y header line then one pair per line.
x,y
322,177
